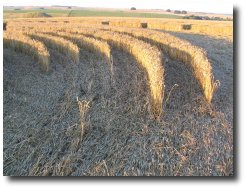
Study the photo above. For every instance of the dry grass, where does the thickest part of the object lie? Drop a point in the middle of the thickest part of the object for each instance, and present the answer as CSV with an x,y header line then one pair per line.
x,y
217,29
176,48
88,43
34,48
75,122
183,51
149,57
59,43
83,108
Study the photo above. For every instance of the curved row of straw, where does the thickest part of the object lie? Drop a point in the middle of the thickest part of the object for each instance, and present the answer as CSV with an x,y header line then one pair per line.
x,y
88,43
194,57
24,44
148,56
62,45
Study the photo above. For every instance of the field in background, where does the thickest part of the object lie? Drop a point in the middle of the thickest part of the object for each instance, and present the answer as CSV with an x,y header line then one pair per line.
x,y
86,13
113,98
155,19
219,29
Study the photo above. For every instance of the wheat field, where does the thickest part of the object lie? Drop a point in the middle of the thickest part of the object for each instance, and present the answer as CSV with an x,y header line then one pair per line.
x,y
82,98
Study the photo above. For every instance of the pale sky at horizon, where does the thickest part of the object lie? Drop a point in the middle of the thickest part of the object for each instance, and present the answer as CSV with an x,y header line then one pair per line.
x,y
210,6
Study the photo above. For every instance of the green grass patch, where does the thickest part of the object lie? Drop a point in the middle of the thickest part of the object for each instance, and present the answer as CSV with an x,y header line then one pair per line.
x,y
23,13
87,13
91,13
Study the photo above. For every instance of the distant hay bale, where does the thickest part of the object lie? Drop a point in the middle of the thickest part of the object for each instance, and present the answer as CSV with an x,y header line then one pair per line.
x,y
186,26
144,25
105,22
66,21
5,26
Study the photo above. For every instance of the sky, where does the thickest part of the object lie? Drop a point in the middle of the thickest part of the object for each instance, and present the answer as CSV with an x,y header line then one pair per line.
x,y
209,6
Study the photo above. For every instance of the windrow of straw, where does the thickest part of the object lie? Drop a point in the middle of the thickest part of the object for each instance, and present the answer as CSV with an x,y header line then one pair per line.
x,y
148,56
178,49
62,45
194,57
88,43
221,29
211,28
24,44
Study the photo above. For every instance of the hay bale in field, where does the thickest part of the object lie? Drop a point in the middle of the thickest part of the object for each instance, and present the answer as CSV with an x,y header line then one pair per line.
x,y
186,26
105,22
66,21
144,25
5,26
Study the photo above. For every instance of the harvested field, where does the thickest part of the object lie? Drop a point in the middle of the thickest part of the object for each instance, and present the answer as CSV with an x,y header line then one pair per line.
x,y
216,29
144,115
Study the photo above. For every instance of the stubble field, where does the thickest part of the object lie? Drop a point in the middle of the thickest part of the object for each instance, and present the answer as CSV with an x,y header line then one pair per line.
x,y
86,99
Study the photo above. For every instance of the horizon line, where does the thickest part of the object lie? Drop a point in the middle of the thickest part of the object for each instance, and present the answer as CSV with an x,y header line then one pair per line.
x,y
111,8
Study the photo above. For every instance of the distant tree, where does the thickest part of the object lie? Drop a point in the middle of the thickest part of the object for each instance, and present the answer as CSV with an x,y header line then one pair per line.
x,y
186,17
193,17
41,8
218,18
168,10
69,7
184,12
198,17
133,8
17,9
206,18
228,19
177,12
